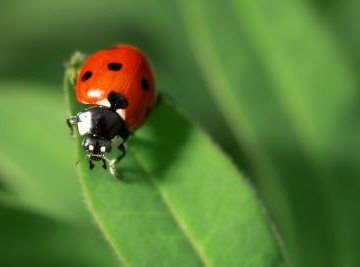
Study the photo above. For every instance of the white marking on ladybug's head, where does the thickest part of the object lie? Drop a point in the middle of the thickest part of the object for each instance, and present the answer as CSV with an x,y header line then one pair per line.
x,y
95,93
84,122
121,113
103,149
91,147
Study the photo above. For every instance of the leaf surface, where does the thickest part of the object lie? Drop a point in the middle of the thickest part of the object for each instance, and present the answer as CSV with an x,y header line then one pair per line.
x,y
29,239
181,201
37,163
288,94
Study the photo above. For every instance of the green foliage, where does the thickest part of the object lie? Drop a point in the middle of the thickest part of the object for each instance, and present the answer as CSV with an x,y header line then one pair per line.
x,y
290,87
33,240
35,153
274,84
43,221
180,202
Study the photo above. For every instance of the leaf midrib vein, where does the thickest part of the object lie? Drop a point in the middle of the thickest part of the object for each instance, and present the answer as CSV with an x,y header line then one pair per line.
x,y
178,221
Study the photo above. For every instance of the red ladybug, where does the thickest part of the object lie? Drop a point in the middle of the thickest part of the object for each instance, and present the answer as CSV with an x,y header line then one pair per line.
x,y
119,85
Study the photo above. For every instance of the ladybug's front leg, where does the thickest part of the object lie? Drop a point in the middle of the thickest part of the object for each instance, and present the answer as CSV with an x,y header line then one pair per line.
x,y
71,122
112,163
104,164
123,149
91,165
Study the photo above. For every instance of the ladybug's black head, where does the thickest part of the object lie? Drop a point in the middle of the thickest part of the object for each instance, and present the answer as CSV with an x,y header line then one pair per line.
x,y
96,147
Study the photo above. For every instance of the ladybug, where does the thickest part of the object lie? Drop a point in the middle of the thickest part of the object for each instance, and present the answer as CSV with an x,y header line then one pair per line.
x,y
118,85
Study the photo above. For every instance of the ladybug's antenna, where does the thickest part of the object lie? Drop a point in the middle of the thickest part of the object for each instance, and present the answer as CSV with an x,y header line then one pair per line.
x,y
79,160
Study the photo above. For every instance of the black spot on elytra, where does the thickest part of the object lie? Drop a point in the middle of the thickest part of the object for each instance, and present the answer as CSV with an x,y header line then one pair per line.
x,y
86,76
145,84
114,66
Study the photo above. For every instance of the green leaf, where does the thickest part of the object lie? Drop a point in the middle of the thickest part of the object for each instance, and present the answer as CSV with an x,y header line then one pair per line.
x,y
36,158
287,93
239,87
33,240
182,202
111,22
286,51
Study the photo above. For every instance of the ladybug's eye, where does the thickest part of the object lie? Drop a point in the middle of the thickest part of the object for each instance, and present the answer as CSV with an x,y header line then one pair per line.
x,y
114,66
86,76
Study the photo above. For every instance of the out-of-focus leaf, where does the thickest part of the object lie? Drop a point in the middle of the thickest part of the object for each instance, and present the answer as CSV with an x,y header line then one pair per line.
x,y
182,203
305,66
301,201
32,240
95,25
36,158
285,90
342,16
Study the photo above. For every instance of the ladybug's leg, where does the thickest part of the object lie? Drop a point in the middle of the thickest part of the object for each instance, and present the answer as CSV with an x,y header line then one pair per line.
x,y
117,100
71,122
112,163
123,149
104,164
91,165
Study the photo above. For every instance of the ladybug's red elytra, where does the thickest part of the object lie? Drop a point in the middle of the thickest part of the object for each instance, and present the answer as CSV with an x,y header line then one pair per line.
x,y
118,85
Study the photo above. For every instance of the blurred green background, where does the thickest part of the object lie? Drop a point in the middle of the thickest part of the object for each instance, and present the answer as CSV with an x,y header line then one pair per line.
x,y
275,83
